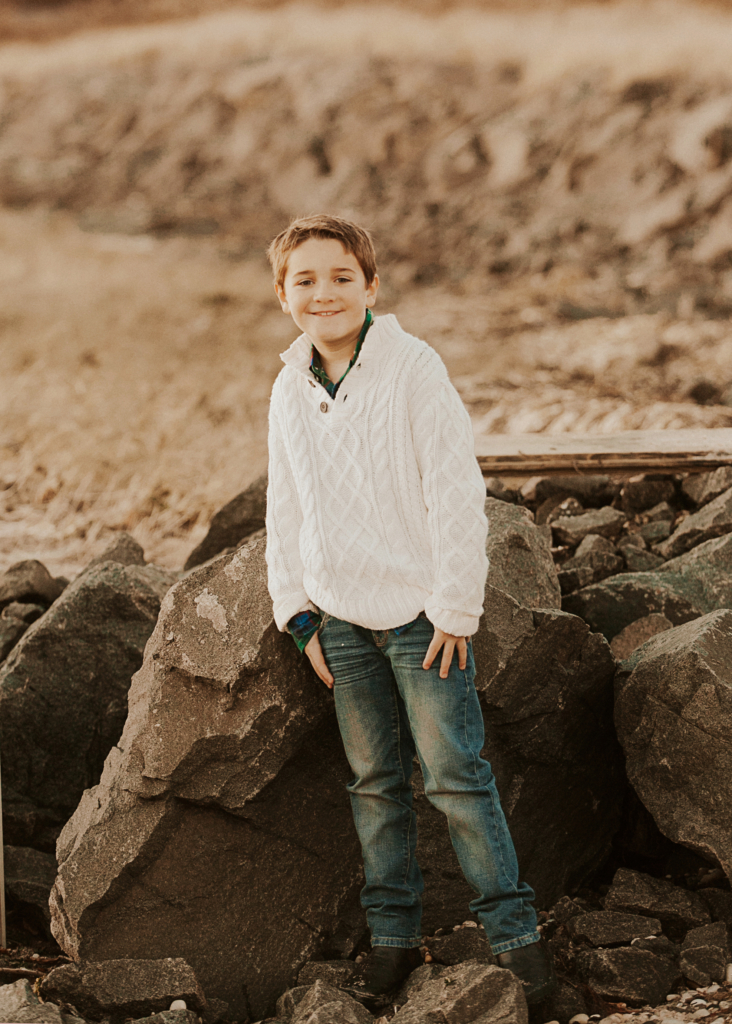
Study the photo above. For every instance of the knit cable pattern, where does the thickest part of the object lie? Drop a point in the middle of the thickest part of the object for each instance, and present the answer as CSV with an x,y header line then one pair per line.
x,y
375,507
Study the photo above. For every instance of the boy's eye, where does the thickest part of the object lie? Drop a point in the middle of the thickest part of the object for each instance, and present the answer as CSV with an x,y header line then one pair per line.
x,y
347,280
305,280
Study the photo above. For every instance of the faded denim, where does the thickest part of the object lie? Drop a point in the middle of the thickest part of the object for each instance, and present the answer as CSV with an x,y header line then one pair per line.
x,y
390,708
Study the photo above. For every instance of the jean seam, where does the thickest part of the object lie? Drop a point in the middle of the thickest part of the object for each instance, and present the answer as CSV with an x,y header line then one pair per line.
x,y
408,858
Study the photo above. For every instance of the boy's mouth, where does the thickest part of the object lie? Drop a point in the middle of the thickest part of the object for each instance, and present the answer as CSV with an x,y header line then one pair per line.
x,y
326,312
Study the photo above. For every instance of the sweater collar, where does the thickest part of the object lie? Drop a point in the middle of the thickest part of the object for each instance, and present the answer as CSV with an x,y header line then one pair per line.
x,y
298,354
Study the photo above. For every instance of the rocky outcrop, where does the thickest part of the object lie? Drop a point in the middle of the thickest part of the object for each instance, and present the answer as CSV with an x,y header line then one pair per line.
x,y
231,759
682,589
239,518
122,549
702,488
63,694
520,556
635,976
674,719
609,928
20,1005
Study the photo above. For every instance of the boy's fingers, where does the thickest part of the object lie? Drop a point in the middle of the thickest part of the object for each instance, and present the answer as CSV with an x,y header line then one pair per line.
x,y
462,646
315,653
447,653
435,645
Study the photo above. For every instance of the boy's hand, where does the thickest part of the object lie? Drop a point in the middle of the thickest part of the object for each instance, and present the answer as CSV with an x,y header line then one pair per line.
x,y
448,643
315,652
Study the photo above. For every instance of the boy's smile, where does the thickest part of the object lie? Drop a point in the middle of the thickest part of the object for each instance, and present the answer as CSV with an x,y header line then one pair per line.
x,y
326,294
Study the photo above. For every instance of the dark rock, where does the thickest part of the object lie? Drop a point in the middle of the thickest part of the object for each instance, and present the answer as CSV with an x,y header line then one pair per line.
x,y
594,543
673,713
63,694
29,581
291,999
20,1005
215,1012
323,1004
713,520
633,892
470,992
701,488
661,945
607,522
239,518
164,857
631,638
495,488
123,987
682,589
332,972
654,533
520,557
26,612
416,980
632,539
630,975
720,904
566,908
11,630
584,569
29,878
609,928
643,492
705,953
170,1017
661,513
457,947
566,1002
557,508
638,560
123,549
593,491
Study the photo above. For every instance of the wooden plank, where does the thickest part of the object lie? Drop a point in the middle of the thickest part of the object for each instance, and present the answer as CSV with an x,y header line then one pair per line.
x,y
617,454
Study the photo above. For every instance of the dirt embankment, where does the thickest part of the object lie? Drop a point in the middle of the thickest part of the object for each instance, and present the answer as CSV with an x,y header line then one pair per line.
x,y
551,196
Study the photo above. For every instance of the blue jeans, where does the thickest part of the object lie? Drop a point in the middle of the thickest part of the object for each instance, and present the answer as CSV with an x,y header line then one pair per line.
x,y
390,708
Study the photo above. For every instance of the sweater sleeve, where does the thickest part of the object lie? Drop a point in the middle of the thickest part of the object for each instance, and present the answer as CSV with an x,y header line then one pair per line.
x,y
454,494
284,521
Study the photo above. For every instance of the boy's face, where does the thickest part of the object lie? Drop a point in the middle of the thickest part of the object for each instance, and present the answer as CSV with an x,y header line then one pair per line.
x,y
325,292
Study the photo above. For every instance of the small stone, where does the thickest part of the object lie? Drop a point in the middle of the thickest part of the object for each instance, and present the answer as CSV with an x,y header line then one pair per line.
x,y
638,560
725,1005
728,974
672,998
654,533
635,634
579,1018
178,1004
700,1014
660,513
470,924
607,522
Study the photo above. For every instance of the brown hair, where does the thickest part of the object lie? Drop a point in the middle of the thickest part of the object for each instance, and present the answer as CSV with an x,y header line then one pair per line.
x,y
353,238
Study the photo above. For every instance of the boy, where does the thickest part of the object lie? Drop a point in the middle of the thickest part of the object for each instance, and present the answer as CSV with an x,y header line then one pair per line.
x,y
377,567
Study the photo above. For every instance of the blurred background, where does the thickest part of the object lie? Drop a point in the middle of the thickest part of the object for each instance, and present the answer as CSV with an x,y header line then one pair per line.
x,y
549,185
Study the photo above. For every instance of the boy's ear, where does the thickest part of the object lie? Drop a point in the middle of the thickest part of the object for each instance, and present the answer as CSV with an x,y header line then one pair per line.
x,y
280,292
371,291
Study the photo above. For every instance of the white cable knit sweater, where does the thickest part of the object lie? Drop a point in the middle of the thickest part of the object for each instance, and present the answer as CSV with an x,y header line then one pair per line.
x,y
375,505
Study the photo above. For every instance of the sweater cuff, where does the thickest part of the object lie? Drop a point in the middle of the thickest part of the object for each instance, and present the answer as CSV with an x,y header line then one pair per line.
x,y
450,621
286,607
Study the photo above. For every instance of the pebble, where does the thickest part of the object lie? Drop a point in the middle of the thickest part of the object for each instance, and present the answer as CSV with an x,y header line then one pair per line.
x,y
698,1002
728,974
470,924
725,1005
579,1018
700,1014
672,998
178,1004
718,1020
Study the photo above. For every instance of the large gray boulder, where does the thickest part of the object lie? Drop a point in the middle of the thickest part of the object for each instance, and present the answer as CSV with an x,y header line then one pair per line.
x,y
63,695
29,878
521,562
673,714
239,518
20,1005
221,830
682,589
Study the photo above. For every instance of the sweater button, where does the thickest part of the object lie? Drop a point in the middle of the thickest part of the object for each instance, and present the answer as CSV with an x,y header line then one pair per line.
x,y
323,406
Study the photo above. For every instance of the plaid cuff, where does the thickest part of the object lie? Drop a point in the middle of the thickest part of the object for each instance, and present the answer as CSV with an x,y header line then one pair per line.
x,y
303,627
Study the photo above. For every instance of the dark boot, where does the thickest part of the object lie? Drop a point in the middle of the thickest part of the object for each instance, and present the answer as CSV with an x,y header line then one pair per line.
x,y
382,973
533,966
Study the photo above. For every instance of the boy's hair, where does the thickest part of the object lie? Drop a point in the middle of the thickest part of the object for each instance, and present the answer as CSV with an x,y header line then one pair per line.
x,y
353,238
